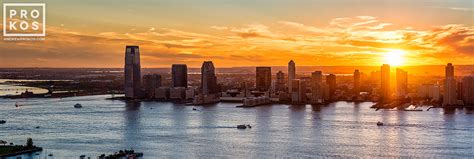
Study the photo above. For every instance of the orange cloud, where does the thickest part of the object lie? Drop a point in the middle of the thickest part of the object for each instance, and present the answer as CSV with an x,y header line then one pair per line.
x,y
360,40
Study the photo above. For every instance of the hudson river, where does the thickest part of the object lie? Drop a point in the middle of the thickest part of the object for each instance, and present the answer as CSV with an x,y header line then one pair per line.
x,y
166,130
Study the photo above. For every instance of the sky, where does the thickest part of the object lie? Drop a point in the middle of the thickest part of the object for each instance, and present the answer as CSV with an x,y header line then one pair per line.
x,y
231,33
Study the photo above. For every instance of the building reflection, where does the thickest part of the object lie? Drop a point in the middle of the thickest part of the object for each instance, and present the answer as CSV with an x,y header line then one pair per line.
x,y
449,110
132,124
316,108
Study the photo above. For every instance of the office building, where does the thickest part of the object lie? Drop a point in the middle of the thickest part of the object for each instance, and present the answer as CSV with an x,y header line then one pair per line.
x,y
132,72
385,82
179,75
331,82
356,87
449,96
263,78
402,83
317,91
468,90
291,74
297,91
280,82
208,78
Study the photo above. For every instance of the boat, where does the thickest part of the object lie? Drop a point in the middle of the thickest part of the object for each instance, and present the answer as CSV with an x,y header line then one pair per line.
x,y
77,105
413,110
3,121
241,127
194,109
379,123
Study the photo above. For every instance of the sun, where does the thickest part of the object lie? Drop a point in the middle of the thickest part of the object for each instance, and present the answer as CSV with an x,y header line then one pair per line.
x,y
394,57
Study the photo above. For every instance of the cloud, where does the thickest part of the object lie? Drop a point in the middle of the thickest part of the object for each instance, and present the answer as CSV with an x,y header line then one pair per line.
x,y
219,28
462,9
359,40
253,31
457,38
303,27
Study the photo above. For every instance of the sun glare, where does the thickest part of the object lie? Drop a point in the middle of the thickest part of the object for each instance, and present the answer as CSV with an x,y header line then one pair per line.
x,y
394,57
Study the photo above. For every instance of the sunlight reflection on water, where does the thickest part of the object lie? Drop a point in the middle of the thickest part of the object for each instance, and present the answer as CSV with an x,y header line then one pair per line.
x,y
169,130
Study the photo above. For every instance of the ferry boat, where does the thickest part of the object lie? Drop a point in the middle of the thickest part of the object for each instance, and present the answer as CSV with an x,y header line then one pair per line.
x,y
379,123
243,126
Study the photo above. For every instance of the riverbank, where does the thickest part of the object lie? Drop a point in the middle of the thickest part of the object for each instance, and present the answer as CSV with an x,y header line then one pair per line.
x,y
8,151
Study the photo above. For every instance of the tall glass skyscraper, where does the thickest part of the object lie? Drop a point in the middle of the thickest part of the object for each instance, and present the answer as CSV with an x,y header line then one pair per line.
x,y
208,78
450,97
280,81
316,87
402,83
331,82
132,70
385,82
291,74
263,78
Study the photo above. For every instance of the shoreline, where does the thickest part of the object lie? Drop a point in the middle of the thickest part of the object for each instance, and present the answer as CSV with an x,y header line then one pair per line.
x,y
377,106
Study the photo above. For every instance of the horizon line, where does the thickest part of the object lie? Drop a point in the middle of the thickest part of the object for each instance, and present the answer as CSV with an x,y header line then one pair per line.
x,y
222,67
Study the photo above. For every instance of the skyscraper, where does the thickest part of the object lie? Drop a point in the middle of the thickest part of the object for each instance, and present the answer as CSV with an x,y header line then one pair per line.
x,y
132,70
291,74
331,82
402,82
296,91
356,88
179,75
449,97
385,81
280,81
263,78
208,78
316,87
468,90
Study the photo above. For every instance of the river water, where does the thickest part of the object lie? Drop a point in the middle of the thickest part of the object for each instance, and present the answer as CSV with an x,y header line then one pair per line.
x,y
167,130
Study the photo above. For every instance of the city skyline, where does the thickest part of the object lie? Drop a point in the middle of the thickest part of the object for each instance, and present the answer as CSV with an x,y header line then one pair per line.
x,y
394,32
236,79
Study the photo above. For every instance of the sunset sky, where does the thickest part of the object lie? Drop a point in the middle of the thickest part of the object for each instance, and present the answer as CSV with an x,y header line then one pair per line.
x,y
93,33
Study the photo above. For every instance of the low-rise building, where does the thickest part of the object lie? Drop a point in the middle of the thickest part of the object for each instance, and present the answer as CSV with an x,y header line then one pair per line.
x,y
178,93
162,93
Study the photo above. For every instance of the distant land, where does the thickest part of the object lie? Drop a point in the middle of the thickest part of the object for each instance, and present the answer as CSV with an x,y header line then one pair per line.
x,y
421,70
